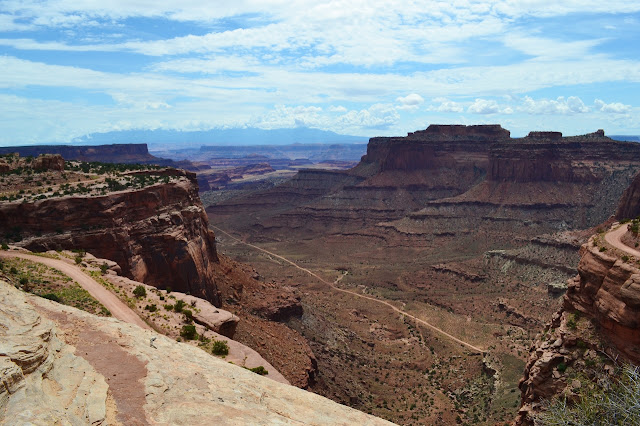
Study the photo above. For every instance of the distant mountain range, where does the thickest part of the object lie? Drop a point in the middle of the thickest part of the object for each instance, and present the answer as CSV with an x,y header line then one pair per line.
x,y
629,138
245,136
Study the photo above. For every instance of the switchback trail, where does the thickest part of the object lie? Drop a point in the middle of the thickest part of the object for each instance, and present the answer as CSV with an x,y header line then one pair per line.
x,y
353,293
110,301
614,238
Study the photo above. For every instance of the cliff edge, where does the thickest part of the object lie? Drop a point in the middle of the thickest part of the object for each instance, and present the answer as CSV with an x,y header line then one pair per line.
x,y
62,365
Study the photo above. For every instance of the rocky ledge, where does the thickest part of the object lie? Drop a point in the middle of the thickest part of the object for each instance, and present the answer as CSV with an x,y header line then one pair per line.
x,y
158,234
597,330
59,365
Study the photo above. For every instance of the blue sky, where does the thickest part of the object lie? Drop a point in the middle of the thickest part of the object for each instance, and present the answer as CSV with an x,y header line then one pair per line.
x,y
72,67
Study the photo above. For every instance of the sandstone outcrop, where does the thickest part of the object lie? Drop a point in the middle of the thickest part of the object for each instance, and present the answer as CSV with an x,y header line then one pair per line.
x,y
76,368
629,206
598,324
158,234
48,162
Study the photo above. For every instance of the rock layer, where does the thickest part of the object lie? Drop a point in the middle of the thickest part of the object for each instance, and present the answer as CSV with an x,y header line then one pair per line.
x,y
158,235
178,383
600,311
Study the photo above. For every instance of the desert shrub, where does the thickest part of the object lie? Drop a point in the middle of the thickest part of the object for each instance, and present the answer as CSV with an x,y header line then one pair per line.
x,y
562,367
140,291
5,246
613,403
259,370
188,315
603,249
13,270
179,305
220,347
168,307
78,260
188,332
151,308
103,268
24,280
51,296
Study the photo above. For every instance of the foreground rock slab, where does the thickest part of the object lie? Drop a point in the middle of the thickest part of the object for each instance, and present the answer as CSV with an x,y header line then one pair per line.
x,y
61,365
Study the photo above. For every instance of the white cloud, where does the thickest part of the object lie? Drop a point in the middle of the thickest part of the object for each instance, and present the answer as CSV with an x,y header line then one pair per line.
x,y
338,108
446,106
483,106
410,102
614,108
568,106
550,49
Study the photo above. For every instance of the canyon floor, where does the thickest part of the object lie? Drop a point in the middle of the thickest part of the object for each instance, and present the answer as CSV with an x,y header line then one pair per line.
x,y
408,333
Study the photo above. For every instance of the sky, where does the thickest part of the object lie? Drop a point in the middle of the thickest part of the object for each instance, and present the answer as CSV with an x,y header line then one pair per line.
x,y
69,68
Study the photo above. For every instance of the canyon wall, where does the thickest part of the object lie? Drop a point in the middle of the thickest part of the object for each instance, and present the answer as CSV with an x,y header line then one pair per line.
x,y
158,234
114,153
597,330
476,176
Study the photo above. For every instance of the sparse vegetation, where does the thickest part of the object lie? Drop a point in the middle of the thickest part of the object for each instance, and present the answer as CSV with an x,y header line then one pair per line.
x,y
220,348
179,305
259,370
140,291
188,332
612,403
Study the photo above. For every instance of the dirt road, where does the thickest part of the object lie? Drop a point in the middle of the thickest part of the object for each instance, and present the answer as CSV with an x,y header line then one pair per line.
x,y
363,296
110,301
615,239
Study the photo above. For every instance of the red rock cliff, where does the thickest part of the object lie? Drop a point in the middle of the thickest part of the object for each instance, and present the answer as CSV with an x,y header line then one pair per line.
x,y
158,234
436,147
597,328
629,206
548,157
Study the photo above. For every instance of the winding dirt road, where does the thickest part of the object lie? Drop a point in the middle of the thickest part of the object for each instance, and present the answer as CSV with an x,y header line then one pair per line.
x,y
110,301
353,293
615,239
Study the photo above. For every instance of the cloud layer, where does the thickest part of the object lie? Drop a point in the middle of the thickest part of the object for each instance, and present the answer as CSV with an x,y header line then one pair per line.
x,y
362,67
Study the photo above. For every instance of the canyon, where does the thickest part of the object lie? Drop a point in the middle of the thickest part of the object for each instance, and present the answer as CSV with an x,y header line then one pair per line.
x,y
413,286
149,221
463,226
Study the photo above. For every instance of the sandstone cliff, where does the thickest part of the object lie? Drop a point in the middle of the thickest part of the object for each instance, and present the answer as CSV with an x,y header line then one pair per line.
x,y
158,234
597,329
629,206
478,176
115,153
61,365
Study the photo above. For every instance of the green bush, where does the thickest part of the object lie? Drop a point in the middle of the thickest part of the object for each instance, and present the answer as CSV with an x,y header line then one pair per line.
x,y
188,315
168,307
151,308
24,280
220,347
104,268
140,291
5,247
188,332
259,370
562,367
179,305
52,296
